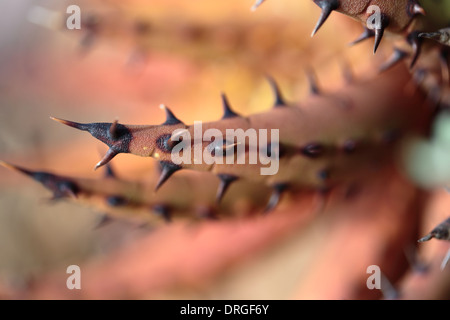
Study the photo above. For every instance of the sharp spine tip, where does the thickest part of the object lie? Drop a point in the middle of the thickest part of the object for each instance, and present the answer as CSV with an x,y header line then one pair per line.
x,y
428,237
379,31
168,169
16,168
7,165
76,125
398,56
110,154
312,80
378,36
103,221
416,42
67,190
109,173
327,7
367,34
225,182
275,197
171,119
164,212
279,99
227,111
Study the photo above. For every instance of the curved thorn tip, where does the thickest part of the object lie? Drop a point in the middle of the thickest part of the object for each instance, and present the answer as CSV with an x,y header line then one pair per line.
x,y
426,238
72,124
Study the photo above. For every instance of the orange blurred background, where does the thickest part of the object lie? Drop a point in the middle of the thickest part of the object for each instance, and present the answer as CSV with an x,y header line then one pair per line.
x,y
142,53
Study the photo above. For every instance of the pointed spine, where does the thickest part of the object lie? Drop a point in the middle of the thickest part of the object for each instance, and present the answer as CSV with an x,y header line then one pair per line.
x,y
225,181
168,169
312,81
228,113
397,56
164,212
441,232
103,221
17,168
379,31
171,119
110,154
76,125
109,172
416,43
279,99
327,7
275,198
367,34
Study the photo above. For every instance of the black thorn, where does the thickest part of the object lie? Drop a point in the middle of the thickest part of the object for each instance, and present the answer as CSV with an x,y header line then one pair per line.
x,y
76,125
116,201
170,117
312,80
103,221
279,150
378,36
109,172
428,237
313,150
60,186
327,7
379,32
279,100
225,182
164,212
168,169
441,232
107,158
367,34
66,188
397,56
275,197
227,111
416,43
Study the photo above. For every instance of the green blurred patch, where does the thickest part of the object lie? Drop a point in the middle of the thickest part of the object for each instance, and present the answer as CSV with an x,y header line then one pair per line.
x,y
427,162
